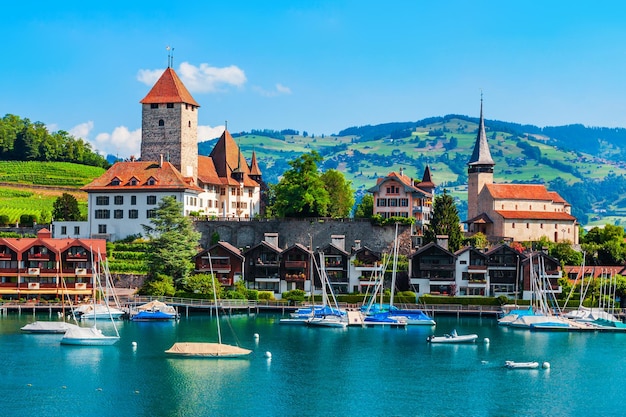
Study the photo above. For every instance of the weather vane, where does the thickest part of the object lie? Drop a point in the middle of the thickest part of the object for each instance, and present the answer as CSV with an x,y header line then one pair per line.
x,y
170,56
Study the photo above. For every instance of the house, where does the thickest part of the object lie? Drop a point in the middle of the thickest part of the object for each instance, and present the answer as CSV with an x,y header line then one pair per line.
x,y
366,268
335,265
512,212
398,195
262,265
296,268
123,199
540,273
44,267
432,270
471,275
225,260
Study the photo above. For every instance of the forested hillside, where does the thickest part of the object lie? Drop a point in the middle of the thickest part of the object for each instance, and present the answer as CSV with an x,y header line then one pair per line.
x,y
582,164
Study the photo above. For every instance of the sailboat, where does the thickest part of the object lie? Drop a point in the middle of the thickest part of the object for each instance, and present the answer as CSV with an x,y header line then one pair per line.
x,y
56,327
92,336
336,317
207,349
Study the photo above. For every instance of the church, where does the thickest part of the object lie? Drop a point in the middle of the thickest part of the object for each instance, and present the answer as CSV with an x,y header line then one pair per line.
x,y
222,185
513,212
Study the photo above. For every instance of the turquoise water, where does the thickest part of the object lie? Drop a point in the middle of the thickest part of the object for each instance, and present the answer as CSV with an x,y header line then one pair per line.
x,y
312,372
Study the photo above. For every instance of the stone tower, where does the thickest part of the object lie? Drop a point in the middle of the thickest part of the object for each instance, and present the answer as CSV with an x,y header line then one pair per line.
x,y
169,125
480,169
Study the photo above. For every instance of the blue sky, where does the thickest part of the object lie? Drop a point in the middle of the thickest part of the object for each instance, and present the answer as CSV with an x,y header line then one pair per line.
x,y
315,66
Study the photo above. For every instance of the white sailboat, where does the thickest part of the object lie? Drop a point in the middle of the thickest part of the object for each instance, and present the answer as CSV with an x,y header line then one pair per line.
x,y
336,319
207,349
92,336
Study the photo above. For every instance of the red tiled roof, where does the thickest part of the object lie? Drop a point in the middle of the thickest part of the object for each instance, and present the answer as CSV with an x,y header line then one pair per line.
x,y
167,177
519,192
254,166
535,215
595,271
227,158
169,89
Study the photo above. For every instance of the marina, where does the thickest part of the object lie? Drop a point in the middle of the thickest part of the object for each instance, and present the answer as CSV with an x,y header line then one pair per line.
x,y
136,377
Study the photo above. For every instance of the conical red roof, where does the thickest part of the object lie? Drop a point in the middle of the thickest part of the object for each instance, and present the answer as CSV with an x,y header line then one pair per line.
x,y
169,89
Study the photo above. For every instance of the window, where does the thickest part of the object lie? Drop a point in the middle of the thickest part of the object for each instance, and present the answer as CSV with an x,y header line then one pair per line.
x,y
151,214
77,230
115,181
154,105
133,200
102,228
250,192
133,214
118,200
513,225
404,202
63,230
161,122
151,181
133,181
103,214
393,202
381,202
102,200
528,225
541,225
223,191
118,214
189,123
170,105
151,200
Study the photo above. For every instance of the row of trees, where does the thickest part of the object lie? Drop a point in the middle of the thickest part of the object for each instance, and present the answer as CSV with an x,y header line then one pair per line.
x,y
23,140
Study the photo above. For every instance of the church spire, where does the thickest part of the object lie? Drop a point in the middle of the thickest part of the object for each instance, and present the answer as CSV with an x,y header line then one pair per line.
x,y
481,154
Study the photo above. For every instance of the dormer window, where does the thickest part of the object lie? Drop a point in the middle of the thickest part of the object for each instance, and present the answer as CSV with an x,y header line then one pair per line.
x,y
115,181
133,181
151,181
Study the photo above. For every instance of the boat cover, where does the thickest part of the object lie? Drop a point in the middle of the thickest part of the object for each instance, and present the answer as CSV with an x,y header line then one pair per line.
x,y
216,350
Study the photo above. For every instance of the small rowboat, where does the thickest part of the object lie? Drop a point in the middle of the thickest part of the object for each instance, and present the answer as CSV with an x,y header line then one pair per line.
x,y
521,365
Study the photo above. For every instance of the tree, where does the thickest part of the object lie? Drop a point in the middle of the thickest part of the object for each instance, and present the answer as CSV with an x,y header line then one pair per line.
x,y
340,192
445,221
173,242
65,208
301,191
365,209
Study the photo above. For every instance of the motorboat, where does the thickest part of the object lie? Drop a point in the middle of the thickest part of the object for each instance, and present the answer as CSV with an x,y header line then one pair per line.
x,y
453,337
155,311
87,336
98,311
521,365
384,319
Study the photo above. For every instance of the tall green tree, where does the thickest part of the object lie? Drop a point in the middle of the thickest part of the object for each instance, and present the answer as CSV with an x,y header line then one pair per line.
x,y
301,192
173,242
365,209
65,208
445,221
340,192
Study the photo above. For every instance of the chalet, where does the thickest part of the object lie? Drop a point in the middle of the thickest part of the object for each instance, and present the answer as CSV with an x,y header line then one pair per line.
x,y
336,265
262,264
365,269
432,270
44,267
224,260
471,272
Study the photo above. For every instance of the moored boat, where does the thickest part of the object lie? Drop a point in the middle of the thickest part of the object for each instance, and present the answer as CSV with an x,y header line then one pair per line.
x,y
521,365
453,337
155,311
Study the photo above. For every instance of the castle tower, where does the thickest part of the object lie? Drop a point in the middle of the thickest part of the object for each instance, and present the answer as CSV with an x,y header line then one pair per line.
x,y
480,169
169,125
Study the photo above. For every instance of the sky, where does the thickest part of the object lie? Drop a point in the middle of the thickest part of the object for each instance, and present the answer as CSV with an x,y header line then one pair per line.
x,y
318,66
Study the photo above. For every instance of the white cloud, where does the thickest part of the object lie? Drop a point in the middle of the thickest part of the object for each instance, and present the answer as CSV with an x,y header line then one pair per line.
x,y
207,132
199,79
278,90
82,130
122,142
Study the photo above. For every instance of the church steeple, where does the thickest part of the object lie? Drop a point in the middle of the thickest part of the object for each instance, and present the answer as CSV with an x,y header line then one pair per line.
x,y
480,169
481,154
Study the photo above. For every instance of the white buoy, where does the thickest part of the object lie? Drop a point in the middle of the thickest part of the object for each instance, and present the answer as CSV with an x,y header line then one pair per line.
x,y
546,365
256,335
268,355
486,340
134,344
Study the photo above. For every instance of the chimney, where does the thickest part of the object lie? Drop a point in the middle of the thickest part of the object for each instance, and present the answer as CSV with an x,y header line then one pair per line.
x,y
338,241
357,244
442,241
161,161
271,238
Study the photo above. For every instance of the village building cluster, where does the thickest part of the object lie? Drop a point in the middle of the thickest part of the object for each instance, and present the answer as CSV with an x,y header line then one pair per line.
x,y
224,185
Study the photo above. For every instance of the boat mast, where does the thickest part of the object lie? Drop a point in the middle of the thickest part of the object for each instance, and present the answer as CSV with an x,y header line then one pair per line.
x,y
394,268
217,312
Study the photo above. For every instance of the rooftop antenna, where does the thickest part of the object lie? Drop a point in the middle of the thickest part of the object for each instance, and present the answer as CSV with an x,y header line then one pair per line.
x,y
225,124
170,56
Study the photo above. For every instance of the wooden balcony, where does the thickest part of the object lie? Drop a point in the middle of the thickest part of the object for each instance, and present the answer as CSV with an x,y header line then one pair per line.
x,y
5,256
295,264
38,256
76,257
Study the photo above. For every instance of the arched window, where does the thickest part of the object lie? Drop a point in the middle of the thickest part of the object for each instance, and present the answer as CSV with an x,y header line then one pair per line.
x,y
161,122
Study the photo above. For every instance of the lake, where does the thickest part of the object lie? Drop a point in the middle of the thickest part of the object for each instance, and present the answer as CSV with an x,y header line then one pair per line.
x,y
312,371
